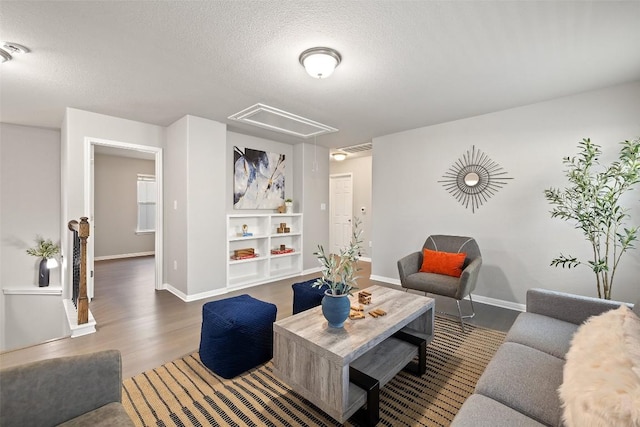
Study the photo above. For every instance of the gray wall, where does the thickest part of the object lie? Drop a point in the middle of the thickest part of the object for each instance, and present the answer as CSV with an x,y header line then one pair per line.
x,y
516,234
29,206
116,206
360,168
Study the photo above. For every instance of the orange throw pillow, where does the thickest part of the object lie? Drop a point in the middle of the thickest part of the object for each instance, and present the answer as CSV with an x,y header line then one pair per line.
x,y
446,263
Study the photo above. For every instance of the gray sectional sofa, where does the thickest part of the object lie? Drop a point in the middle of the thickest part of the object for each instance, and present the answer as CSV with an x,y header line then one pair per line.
x,y
519,386
83,390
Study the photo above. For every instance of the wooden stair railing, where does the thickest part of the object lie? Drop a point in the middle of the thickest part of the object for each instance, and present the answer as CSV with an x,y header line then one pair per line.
x,y
81,233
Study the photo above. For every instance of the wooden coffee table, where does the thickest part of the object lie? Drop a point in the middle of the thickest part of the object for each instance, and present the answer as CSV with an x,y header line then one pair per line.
x,y
318,361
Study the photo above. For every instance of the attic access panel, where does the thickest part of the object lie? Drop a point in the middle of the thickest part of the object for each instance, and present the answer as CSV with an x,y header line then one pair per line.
x,y
276,120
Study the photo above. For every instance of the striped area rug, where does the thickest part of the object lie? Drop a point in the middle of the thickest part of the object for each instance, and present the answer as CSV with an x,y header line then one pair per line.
x,y
185,393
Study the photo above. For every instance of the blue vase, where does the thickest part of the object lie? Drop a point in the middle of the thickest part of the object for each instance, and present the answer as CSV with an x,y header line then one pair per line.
x,y
335,308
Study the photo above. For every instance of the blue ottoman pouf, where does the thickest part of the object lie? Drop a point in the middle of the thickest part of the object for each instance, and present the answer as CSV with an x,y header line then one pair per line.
x,y
237,334
305,296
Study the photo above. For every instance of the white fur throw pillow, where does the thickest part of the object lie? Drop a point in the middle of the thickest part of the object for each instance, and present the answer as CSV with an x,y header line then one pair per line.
x,y
601,381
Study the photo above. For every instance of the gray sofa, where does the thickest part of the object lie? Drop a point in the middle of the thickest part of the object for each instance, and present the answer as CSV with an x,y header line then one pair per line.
x,y
519,386
83,390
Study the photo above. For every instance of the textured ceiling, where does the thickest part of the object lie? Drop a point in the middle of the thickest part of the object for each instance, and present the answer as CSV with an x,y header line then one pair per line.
x,y
406,64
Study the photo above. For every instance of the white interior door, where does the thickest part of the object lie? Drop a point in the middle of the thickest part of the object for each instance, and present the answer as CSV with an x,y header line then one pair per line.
x,y
341,208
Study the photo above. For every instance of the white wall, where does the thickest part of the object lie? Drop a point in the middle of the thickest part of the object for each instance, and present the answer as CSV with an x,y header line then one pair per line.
x,y
360,169
516,234
78,128
30,206
116,206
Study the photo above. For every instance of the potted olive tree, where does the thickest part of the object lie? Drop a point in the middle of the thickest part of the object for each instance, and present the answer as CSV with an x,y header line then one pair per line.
x,y
593,203
339,273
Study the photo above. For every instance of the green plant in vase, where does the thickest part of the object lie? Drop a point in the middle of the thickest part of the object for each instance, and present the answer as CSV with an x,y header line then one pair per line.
x,y
47,250
339,273
593,203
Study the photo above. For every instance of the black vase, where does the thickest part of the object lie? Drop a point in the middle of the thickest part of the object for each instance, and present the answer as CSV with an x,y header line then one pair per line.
x,y
43,274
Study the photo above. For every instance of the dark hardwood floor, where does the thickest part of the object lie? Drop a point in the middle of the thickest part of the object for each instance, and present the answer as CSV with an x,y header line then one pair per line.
x,y
152,327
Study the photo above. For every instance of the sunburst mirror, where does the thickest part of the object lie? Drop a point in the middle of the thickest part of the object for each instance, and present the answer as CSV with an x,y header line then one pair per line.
x,y
474,178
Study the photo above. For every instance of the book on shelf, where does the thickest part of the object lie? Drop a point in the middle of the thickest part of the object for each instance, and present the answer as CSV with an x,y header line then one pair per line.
x,y
240,257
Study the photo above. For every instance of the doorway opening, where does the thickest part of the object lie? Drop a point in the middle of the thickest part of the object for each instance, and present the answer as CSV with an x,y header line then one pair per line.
x,y
129,153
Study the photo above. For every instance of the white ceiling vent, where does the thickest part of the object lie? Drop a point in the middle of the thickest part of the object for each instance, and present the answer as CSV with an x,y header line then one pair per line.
x,y
358,148
281,121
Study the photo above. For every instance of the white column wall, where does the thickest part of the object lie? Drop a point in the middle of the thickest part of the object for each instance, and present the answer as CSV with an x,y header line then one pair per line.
x,y
175,207
206,170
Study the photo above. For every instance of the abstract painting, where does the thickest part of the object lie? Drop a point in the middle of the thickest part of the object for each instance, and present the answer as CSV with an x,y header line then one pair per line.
x,y
258,179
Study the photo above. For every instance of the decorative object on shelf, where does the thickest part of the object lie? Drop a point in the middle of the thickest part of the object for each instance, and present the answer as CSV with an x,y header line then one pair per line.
x,y
258,179
245,231
288,203
281,209
47,250
282,250
593,203
283,228
246,253
474,178
339,274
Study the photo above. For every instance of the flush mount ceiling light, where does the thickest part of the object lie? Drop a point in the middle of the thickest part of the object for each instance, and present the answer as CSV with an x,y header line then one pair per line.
x,y
7,49
320,62
339,156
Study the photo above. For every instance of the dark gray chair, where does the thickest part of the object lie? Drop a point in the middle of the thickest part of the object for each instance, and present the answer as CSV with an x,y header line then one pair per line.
x,y
453,287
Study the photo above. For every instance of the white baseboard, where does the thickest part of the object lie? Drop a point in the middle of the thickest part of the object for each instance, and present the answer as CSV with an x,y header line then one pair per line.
x,y
133,255
385,280
479,298
499,303
188,298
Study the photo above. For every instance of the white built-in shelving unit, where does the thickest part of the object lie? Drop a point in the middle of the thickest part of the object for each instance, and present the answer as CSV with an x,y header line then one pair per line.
x,y
266,267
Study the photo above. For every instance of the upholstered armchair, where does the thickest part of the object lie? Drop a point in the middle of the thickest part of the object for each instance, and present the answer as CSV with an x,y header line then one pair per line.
x,y
441,284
